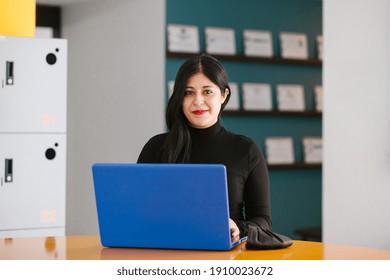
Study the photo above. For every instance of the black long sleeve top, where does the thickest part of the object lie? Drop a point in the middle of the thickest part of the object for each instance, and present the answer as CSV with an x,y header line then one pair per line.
x,y
247,173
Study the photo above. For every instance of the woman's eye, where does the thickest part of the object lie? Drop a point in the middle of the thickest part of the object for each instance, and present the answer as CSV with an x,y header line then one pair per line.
x,y
189,93
208,92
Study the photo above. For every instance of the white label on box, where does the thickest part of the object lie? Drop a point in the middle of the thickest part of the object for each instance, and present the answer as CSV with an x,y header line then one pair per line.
x,y
183,38
257,97
258,43
220,40
279,150
312,147
318,98
294,45
290,97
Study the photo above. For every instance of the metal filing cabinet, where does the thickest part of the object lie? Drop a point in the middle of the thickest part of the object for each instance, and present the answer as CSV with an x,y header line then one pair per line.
x,y
32,136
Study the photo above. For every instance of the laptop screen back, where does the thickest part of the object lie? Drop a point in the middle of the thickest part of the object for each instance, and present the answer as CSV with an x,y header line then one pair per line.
x,y
179,206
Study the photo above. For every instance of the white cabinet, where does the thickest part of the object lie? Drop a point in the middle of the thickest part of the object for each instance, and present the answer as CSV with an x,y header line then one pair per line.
x,y
32,136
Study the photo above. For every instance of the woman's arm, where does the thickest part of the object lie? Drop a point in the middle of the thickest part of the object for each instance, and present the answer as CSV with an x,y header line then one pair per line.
x,y
256,193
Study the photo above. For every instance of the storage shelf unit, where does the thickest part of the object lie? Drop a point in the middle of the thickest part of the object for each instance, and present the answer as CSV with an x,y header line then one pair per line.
x,y
296,194
32,136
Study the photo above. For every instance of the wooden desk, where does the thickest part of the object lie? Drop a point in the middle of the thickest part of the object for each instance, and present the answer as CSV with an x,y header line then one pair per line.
x,y
88,247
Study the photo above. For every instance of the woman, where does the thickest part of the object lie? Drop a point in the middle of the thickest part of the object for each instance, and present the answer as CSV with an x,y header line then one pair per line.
x,y
195,135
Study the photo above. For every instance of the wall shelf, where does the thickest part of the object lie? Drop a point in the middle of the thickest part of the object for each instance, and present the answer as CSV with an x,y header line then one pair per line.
x,y
252,59
273,113
297,165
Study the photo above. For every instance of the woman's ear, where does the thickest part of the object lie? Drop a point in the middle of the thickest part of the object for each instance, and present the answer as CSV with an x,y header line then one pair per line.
x,y
225,95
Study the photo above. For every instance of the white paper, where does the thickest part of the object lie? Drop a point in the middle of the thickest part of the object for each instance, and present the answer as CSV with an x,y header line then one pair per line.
x,y
183,38
220,40
290,97
312,148
258,43
319,47
279,150
257,97
294,45
234,100
318,98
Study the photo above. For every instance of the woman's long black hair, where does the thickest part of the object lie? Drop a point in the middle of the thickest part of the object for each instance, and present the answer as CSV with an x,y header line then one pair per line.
x,y
177,146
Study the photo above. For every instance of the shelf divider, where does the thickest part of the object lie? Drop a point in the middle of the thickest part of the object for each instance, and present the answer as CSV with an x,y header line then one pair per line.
x,y
273,113
297,165
253,59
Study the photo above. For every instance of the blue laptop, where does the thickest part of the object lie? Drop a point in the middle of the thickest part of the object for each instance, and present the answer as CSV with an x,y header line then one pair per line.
x,y
170,206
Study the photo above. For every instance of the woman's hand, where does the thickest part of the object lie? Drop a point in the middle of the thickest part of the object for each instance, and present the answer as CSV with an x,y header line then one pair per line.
x,y
234,231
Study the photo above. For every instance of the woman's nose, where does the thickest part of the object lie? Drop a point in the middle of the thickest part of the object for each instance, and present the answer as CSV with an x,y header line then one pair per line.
x,y
199,100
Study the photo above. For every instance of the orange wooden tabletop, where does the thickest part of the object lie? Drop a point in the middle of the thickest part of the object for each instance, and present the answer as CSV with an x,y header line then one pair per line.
x,y
88,247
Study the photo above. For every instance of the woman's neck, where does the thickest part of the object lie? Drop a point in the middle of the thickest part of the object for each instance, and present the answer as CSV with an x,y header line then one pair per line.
x,y
208,132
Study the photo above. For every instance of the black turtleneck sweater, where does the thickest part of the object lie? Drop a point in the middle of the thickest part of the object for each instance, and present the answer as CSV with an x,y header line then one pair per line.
x,y
248,185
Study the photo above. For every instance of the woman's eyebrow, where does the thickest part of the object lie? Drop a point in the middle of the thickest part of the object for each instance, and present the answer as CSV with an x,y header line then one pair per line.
x,y
202,87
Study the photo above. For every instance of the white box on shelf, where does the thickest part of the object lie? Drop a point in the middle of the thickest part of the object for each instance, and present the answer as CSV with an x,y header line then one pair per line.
x,y
258,43
290,97
257,97
279,150
312,149
318,98
183,38
220,40
294,45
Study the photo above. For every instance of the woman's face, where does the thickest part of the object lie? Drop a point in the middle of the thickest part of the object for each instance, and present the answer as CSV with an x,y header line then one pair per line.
x,y
202,101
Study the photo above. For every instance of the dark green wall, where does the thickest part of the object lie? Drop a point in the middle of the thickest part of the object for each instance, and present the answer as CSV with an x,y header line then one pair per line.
x,y
295,194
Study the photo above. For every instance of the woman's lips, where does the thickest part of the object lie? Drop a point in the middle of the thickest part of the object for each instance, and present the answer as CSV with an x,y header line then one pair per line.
x,y
199,112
